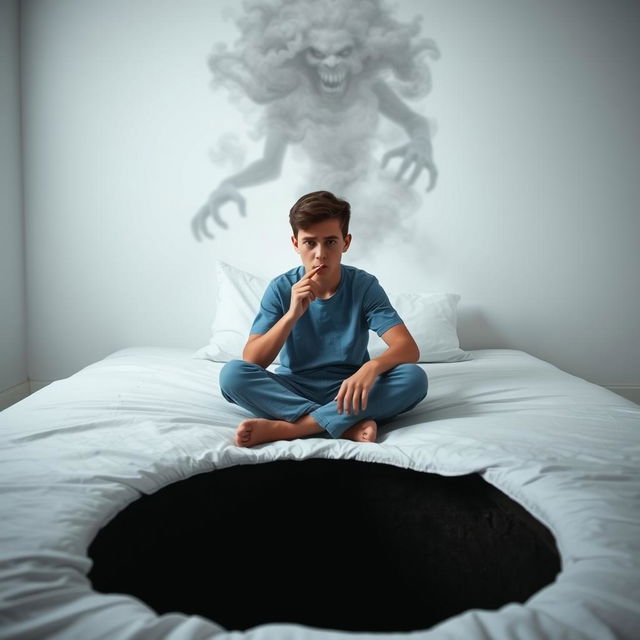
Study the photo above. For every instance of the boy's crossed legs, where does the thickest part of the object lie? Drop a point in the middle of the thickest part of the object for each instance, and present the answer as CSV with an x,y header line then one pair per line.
x,y
284,413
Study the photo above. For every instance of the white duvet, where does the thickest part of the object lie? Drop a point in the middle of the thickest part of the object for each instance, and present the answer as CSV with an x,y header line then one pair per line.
x,y
75,453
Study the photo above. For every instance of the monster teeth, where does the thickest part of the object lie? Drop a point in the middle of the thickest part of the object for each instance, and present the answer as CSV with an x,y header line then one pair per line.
x,y
332,78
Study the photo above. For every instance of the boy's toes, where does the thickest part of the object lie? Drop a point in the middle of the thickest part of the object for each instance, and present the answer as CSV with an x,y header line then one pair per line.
x,y
369,433
243,435
364,431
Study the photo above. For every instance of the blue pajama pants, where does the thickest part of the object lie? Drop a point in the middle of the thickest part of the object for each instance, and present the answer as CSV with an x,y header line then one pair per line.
x,y
288,397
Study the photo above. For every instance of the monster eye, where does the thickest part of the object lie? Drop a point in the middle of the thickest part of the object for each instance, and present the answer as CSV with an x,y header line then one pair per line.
x,y
315,53
346,52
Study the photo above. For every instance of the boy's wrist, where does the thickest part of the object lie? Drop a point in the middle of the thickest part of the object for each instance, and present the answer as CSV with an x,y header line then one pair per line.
x,y
290,318
376,365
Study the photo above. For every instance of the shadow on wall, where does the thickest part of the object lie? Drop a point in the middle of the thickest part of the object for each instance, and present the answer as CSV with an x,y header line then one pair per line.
x,y
476,331
321,73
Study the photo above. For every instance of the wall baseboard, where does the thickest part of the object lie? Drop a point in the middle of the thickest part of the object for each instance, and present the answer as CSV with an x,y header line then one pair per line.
x,y
630,392
36,385
14,394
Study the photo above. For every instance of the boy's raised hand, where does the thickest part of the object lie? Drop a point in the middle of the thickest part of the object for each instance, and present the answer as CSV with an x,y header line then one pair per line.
x,y
303,293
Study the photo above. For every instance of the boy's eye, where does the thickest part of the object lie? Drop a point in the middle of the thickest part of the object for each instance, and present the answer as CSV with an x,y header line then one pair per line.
x,y
311,243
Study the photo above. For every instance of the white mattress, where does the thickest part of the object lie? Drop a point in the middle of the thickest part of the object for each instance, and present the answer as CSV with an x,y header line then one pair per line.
x,y
78,451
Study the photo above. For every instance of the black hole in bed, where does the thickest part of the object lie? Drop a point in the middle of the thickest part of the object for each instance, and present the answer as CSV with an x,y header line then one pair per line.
x,y
335,544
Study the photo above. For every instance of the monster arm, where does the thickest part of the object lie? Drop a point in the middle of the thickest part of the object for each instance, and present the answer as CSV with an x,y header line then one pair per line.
x,y
262,170
417,151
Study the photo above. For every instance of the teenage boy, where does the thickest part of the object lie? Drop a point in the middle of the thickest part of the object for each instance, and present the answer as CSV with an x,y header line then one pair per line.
x,y
318,316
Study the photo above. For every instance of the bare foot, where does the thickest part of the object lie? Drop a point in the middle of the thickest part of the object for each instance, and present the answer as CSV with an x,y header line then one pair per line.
x,y
363,431
258,430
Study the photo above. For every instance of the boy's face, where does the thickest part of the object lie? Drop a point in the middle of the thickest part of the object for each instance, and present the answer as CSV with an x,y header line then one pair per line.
x,y
322,244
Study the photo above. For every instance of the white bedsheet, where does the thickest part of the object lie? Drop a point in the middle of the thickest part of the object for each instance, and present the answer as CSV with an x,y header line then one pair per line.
x,y
78,451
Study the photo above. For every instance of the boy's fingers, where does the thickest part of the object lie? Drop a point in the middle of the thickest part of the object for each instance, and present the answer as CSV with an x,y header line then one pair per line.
x,y
340,399
348,405
311,273
351,400
355,402
307,285
307,290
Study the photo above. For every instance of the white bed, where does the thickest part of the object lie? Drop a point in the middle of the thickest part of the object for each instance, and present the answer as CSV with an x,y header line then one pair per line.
x,y
78,451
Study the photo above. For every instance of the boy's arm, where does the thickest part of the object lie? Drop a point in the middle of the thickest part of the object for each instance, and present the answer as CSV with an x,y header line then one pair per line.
x,y
262,348
401,348
354,391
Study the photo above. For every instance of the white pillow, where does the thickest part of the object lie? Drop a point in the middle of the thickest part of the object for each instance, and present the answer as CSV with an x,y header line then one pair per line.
x,y
237,304
430,317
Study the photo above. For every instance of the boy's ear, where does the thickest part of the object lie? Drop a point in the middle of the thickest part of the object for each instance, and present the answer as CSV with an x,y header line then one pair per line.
x,y
347,242
294,242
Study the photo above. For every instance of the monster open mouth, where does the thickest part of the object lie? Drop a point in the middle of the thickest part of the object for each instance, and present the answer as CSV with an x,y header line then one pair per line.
x,y
333,82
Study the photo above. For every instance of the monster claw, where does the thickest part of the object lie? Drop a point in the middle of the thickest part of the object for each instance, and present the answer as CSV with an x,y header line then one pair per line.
x,y
218,220
206,231
194,229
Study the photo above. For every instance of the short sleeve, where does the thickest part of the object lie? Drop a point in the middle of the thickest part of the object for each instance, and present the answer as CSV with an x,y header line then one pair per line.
x,y
270,310
380,315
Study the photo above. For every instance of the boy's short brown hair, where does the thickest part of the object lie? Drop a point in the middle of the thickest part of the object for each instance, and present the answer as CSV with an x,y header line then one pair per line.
x,y
317,206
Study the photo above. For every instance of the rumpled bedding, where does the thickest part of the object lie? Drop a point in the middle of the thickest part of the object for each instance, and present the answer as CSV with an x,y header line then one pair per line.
x,y
80,450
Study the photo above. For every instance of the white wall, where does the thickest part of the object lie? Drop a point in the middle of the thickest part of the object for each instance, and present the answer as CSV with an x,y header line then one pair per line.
x,y
534,220
13,360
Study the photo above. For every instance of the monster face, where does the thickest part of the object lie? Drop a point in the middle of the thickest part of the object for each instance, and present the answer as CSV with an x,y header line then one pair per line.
x,y
332,60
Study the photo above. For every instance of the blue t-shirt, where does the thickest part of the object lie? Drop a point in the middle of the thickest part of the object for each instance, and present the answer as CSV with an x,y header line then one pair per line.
x,y
333,333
